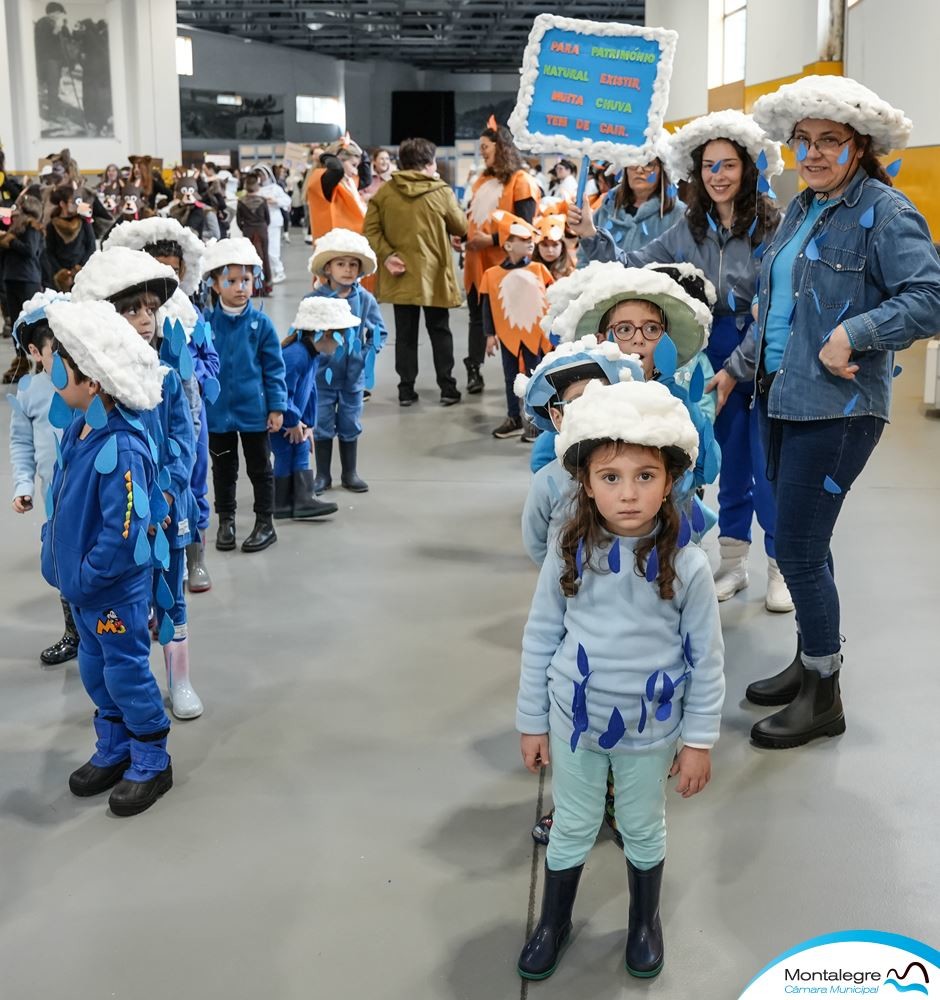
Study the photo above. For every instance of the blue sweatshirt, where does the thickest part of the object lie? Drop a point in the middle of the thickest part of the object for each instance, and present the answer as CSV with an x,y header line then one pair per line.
x,y
85,553
349,361
549,499
302,365
635,671
251,371
32,437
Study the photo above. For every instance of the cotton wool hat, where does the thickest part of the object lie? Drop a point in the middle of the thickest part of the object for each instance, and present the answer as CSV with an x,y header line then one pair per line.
x,y
570,363
34,309
236,250
142,233
119,271
318,312
564,291
735,125
106,348
681,291
838,99
643,413
342,243
178,308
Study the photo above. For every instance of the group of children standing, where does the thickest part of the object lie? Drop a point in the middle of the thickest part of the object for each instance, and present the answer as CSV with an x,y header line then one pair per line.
x,y
136,391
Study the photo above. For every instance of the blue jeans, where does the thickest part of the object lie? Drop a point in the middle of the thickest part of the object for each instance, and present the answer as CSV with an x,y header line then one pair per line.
x,y
800,457
289,458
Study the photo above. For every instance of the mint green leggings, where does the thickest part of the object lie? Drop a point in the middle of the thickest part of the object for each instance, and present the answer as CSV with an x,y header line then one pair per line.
x,y
579,787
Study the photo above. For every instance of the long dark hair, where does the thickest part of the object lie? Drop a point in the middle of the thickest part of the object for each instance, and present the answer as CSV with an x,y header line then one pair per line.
x,y
869,162
508,159
625,198
585,525
747,203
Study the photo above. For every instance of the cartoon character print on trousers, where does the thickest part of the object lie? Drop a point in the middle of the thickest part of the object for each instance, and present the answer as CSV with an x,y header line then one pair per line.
x,y
660,687
110,624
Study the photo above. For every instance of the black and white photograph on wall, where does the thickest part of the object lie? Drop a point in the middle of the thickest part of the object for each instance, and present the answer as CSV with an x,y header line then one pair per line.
x,y
73,69
472,111
207,114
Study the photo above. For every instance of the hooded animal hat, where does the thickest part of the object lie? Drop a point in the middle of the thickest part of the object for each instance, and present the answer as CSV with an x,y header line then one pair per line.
x,y
236,250
507,226
734,125
642,413
120,271
342,243
838,99
186,189
176,240
551,227
321,314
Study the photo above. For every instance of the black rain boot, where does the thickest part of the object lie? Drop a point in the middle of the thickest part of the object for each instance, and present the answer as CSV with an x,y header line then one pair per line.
x,y
198,579
112,757
782,688
474,378
149,776
347,460
645,950
283,497
541,954
67,647
816,711
225,537
323,453
306,504
262,534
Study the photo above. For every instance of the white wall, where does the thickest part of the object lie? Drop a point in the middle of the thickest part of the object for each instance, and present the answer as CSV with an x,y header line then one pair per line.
x,y
369,101
688,90
143,87
900,64
782,37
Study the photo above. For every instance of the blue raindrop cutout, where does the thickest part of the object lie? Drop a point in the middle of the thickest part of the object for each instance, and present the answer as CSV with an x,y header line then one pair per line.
x,y
666,357
897,371
761,162
615,731
716,166
752,228
759,251
584,667
163,478
867,219
338,337
174,447
317,337
843,156
579,558
106,459
59,375
672,191
96,415
842,312
652,178
199,333
369,368
698,517
159,508
652,565
850,405
166,631
212,388
131,418
812,250
152,445
711,222
802,151
168,330
49,503
328,375
763,185
613,557
893,168
142,548
554,339
641,725
186,364
141,501
732,301
816,300
831,486
161,548
697,384
164,595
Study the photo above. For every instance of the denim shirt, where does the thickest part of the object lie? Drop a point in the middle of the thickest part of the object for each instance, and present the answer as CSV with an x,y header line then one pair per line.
x,y
881,281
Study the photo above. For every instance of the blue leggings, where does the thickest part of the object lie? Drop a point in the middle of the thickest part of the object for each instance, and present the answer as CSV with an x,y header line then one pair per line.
x,y
579,790
289,458
114,663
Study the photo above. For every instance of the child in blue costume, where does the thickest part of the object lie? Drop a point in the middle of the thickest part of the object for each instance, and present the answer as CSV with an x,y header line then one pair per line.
x,y
137,285
96,548
253,393
624,617
311,340
33,438
181,249
340,259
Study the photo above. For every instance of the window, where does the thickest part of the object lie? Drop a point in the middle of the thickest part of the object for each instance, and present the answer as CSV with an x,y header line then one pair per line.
x,y
184,55
321,111
727,41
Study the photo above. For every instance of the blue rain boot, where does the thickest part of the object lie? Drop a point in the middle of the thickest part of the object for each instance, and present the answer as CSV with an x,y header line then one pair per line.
x,y
111,759
645,950
149,776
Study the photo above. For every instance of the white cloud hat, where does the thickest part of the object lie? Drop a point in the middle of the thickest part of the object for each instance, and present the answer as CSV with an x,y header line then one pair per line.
x,y
120,270
342,243
146,232
735,125
319,312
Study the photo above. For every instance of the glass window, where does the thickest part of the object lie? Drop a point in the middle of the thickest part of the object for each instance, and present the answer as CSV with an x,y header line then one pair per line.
x,y
734,45
184,55
321,111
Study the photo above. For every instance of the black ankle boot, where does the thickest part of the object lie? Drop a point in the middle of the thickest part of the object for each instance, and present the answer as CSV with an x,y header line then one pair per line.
x,y
306,504
645,950
262,534
474,378
540,956
149,776
816,711
347,458
283,497
323,453
67,647
225,537
782,688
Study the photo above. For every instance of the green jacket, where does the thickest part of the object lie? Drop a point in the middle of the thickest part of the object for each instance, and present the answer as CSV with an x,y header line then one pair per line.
x,y
414,216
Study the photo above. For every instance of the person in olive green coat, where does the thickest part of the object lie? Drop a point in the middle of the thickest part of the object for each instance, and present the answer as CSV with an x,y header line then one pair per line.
x,y
409,223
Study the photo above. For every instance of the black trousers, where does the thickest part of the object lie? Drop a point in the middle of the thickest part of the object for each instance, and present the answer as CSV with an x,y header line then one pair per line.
x,y
257,450
406,347
476,338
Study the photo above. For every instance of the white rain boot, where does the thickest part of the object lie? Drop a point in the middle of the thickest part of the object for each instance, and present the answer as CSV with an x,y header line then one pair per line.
x,y
732,573
778,598
184,700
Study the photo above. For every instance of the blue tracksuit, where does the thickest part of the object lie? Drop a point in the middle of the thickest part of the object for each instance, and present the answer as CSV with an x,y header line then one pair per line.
x,y
96,551
251,371
343,376
302,363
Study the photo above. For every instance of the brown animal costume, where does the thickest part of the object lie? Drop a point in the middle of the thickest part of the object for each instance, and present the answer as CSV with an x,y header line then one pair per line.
x,y
189,211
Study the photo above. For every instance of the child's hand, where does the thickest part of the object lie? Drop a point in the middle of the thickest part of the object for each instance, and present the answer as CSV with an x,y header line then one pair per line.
x,y
275,421
535,753
491,346
296,434
22,504
694,768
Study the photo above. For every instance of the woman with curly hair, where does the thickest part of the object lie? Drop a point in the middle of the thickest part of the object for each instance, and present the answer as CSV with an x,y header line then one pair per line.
x,y
727,160
504,184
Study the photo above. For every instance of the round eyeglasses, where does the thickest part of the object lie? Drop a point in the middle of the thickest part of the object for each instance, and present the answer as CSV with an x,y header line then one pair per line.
x,y
626,331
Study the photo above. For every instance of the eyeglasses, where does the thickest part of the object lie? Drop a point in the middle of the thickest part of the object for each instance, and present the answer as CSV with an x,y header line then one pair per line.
x,y
627,331
826,146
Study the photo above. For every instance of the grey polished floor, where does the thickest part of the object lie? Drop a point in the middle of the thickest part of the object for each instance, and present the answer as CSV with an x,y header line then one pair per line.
x,y
350,816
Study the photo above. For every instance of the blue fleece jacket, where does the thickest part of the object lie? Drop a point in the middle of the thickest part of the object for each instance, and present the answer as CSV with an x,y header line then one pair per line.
x,y
618,669
348,362
548,501
32,437
302,368
85,553
251,371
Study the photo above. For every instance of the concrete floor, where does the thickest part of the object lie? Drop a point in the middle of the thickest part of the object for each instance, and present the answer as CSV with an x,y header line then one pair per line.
x,y
350,816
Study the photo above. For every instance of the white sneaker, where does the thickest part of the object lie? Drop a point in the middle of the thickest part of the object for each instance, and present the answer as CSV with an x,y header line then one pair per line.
x,y
278,278
778,597
731,575
308,239
286,236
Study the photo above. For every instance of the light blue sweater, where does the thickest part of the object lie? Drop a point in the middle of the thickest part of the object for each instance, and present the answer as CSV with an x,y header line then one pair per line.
x,y
32,437
634,671
550,495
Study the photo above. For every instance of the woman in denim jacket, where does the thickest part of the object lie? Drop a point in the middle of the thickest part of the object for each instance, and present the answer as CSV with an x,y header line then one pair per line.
x,y
850,277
